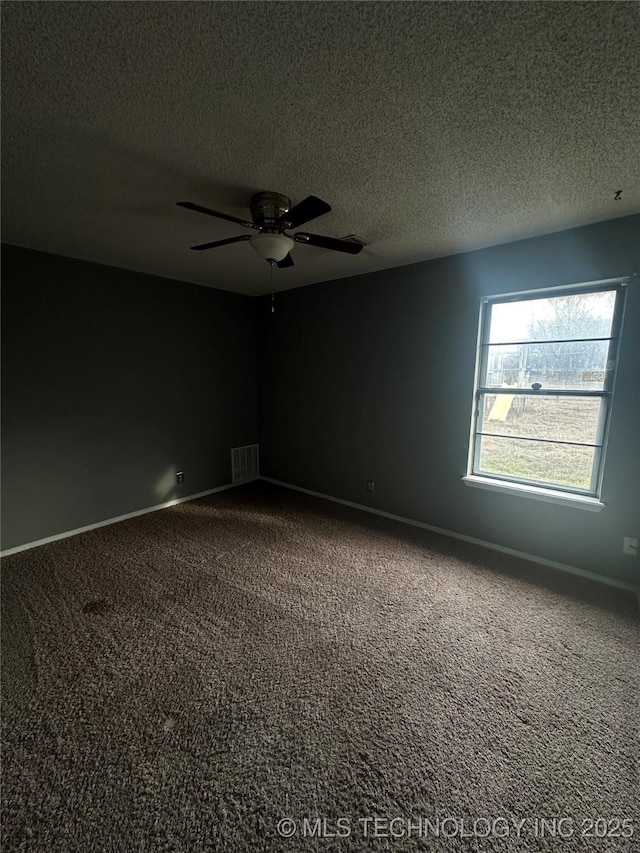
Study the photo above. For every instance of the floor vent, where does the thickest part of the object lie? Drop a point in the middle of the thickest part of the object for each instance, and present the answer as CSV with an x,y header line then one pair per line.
x,y
245,463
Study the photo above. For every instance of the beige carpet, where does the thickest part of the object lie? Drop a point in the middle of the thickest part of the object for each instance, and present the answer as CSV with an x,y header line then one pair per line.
x,y
184,680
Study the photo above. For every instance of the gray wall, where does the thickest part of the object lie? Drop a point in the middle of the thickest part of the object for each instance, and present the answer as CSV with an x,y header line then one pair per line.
x,y
371,377
112,382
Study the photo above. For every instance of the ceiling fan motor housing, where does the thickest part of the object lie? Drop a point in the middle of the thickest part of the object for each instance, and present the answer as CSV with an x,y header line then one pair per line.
x,y
267,208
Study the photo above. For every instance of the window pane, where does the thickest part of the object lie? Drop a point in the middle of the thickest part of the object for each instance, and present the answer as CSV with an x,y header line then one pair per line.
x,y
579,315
530,416
556,464
572,365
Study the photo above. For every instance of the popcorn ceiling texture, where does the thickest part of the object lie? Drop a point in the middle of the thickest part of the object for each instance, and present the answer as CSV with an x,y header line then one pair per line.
x,y
431,128
183,680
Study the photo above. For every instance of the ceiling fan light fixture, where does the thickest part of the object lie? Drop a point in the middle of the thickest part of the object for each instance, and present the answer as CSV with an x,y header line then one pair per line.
x,y
272,247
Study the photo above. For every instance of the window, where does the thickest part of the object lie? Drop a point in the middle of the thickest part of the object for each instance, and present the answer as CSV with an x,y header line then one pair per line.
x,y
545,374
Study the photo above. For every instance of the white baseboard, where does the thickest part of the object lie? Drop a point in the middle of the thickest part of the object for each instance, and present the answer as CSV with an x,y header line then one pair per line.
x,y
107,521
562,567
574,570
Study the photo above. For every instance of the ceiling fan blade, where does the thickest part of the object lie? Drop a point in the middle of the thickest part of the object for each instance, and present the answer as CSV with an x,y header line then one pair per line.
x,y
308,209
328,243
220,243
285,262
190,206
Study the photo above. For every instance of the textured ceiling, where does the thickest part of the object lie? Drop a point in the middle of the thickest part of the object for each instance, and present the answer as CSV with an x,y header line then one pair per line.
x,y
431,128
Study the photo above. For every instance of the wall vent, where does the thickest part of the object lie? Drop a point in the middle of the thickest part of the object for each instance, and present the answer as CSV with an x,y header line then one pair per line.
x,y
245,463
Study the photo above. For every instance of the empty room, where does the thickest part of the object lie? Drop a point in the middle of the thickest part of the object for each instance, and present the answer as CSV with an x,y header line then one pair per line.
x,y
320,426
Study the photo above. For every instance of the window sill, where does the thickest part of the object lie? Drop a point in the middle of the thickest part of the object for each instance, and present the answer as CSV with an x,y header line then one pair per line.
x,y
536,492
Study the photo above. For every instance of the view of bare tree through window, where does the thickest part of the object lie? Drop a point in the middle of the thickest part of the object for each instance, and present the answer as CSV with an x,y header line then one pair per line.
x,y
559,343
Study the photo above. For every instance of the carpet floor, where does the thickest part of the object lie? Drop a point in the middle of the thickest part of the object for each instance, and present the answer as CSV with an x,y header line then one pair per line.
x,y
188,679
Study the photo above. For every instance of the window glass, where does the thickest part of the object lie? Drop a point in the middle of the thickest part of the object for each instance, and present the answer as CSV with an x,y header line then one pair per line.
x,y
571,365
577,315
572,419
548,464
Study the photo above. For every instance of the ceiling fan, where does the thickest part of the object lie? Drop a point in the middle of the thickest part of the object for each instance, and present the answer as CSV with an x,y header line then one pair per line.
x,y
272,215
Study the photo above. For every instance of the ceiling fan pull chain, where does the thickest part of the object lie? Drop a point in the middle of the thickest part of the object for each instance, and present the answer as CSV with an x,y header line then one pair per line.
x,y
273,309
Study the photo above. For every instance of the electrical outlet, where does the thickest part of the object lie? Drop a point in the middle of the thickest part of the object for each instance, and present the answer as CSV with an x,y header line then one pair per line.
x,y
630,546
371,485
180,476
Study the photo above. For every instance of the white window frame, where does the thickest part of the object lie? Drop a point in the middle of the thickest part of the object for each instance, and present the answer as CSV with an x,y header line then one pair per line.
x,y
589,499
